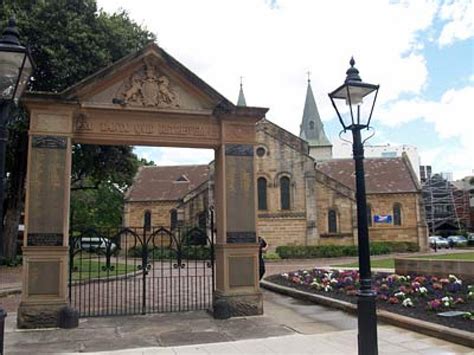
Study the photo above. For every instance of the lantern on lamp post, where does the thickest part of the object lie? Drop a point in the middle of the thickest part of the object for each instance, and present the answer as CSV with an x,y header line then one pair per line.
x,y
354,103
15,71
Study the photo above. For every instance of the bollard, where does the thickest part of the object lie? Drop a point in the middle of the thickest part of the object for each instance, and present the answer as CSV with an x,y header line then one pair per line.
x,y
3,315
68,318
221,309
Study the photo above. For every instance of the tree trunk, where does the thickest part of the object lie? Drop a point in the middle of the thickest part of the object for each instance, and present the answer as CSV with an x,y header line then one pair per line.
x,y
16,192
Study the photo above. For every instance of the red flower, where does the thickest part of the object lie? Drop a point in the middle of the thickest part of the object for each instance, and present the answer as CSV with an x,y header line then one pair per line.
x,y
393,300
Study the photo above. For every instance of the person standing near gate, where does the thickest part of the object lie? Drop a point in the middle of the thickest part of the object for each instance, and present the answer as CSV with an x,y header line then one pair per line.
x,y
262,248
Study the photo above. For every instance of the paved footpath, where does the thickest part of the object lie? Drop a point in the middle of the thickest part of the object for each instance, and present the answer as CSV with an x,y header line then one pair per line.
x,y
289,326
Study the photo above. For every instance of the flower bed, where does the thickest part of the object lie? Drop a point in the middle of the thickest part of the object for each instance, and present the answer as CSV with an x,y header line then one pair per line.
x,y
417,296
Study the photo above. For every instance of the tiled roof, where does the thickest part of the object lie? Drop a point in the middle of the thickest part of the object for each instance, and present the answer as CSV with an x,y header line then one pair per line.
x,y
166,183
382,175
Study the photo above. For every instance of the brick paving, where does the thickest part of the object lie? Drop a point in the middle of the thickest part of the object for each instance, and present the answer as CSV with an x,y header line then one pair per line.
x,y
288,326
10,278
166,289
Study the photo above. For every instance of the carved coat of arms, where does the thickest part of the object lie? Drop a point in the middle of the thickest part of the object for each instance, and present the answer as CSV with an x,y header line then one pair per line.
x,y
149,88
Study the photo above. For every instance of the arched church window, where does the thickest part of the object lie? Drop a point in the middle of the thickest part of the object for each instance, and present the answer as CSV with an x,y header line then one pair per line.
x,y
202,220
173,218
147,220
311,124
285,193
262,193
332,221
397,214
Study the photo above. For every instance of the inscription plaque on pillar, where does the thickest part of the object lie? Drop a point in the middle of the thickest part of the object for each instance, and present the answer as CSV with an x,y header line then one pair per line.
x,y
46,183
241,237
43,278
240,190
241,271
45,239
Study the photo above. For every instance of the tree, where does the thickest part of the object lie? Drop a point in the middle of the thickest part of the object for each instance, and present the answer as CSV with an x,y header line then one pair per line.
x,y
99,207
69,40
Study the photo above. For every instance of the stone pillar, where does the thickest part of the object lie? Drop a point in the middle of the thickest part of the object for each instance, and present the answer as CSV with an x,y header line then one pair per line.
x,y
45,248
312,235
421,226
237,278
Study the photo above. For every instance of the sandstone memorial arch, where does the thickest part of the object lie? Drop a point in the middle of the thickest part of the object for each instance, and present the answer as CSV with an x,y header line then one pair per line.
x,y
147,98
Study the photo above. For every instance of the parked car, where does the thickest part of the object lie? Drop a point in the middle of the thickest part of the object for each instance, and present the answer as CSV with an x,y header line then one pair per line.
x,y
457,240
96,244
438,241
470,239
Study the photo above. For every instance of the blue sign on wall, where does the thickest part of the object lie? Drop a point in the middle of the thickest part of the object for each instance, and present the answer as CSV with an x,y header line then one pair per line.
x,y
383,218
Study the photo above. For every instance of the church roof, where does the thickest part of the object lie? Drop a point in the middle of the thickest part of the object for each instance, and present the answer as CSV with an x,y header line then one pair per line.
x,y
166,183
312,128
241,100
382,175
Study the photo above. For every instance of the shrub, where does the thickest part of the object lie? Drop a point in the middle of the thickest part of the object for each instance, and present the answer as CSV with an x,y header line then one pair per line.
x,y
380,248
270,255
403,247
11,262
327,251
187,252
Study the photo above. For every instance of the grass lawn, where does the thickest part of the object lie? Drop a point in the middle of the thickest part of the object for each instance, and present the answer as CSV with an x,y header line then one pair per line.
x,y
91,269
390,263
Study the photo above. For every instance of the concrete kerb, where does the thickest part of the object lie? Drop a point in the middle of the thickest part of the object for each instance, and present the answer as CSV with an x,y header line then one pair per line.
x,y
435,330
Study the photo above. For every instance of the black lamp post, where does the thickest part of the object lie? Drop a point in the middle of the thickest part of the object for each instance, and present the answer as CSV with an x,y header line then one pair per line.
x,y
15,70
354,115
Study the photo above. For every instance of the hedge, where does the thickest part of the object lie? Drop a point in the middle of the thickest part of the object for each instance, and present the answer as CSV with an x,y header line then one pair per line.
x,y
187,252
334,251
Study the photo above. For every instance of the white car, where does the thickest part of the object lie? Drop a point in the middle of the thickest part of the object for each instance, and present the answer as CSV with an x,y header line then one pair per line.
x,y
438,241
457,240
94,244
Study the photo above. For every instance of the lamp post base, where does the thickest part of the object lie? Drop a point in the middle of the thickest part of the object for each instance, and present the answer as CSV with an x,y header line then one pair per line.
x,y
367,322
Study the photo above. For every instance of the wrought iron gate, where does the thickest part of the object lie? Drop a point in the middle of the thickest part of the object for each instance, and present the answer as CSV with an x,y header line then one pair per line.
x,y
141,270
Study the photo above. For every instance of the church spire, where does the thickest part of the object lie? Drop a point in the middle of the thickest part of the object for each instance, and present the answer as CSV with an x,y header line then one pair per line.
x,y
241,99
312,128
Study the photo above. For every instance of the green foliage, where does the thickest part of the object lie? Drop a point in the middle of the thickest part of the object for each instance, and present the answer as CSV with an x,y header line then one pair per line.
x,y
11,262
334,251
100,207
379,249
93,165
270,255
403,247
187,253
69,40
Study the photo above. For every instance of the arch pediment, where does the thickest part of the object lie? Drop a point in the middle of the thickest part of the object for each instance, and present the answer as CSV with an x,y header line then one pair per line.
x,y
146,98
149,79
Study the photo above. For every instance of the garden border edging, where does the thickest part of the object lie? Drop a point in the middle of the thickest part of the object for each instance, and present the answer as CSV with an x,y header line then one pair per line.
x,y
439,331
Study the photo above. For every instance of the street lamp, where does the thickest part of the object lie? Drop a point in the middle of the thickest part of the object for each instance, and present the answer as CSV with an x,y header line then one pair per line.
x,y
354,103
15,70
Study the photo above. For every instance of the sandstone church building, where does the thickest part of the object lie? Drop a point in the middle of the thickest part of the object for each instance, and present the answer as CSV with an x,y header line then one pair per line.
x,y
305,197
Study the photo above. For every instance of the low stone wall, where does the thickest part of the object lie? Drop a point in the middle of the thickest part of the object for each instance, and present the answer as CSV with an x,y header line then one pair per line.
x,y
437,267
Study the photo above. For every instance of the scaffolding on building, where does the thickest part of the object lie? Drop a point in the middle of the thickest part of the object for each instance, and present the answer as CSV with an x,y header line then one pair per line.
x,y
445,204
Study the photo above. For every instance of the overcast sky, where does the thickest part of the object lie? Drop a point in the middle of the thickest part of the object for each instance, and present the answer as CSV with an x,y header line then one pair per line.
x,y
420,52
